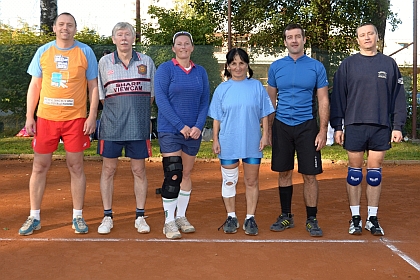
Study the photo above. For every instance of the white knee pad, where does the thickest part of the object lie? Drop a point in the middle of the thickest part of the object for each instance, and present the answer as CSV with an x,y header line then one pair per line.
x,y
230,178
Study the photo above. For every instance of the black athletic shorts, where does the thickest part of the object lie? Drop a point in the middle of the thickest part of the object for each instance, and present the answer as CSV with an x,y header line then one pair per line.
x,y
300,139
365,137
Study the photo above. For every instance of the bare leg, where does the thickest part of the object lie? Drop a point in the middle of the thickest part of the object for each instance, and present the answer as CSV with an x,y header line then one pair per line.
x,y
140,182
251,178
78,178
109,166
37,183
310,190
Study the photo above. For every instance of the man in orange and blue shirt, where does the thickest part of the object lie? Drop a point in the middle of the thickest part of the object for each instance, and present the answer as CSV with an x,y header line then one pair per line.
x,y
62,71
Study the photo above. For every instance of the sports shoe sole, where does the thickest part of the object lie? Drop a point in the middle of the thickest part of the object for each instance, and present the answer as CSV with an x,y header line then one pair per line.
x,y
172,235
30,232
76,231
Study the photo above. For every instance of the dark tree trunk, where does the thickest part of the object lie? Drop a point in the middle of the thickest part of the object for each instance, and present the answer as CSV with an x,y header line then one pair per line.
x,y
48,14
382,15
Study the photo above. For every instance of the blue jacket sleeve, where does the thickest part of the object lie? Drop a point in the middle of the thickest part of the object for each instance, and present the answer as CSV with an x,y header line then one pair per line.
x,y
398,103
338,102
204,101
162,81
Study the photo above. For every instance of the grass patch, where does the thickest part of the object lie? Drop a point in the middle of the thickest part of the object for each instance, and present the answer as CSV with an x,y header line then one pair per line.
x,y
399,151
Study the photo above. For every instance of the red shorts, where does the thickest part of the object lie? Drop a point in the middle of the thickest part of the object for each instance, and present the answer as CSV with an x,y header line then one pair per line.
x,y
48,134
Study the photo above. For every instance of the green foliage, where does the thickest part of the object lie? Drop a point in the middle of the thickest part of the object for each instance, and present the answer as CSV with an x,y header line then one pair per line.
x,y
399,151
91,37
330,25
200,25
171,21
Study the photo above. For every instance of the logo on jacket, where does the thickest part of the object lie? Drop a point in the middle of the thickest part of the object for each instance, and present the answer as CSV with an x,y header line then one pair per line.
x,y
382,74
401,81
142,69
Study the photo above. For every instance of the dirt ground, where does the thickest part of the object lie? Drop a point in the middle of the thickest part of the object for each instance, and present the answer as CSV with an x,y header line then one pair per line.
x,y
56,252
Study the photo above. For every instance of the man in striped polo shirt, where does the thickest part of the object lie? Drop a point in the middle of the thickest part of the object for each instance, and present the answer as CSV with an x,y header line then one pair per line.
x,y
126,91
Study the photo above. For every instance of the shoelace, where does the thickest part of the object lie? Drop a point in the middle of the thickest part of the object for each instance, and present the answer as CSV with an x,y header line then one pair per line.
x,y
252,223
107,222
28,222
313,224
374,222
80,223
172,227
228,221
183,221
142,222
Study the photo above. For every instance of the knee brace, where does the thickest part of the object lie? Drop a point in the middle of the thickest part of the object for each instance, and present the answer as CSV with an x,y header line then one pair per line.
x,y
172,170
230,179
374,176
354,176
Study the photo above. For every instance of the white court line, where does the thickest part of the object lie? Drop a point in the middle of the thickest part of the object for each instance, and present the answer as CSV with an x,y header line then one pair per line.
x,y
23,239
394,249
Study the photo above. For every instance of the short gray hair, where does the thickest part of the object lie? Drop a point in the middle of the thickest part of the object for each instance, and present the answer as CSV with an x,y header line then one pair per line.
x,y
123,25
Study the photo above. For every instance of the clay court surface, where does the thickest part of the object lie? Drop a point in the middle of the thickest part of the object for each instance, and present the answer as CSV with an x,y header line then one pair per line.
x,y
56,252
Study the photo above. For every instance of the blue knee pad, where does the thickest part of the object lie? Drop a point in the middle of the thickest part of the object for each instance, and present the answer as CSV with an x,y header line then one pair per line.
x,y
172,169
374,176
354,176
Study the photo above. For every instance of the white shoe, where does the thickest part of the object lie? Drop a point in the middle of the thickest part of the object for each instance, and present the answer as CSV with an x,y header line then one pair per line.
x,y
141,225
183,224
170,230
106,225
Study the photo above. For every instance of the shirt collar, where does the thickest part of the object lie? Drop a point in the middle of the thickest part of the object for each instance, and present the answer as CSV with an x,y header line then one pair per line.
x,y
176,63
134,57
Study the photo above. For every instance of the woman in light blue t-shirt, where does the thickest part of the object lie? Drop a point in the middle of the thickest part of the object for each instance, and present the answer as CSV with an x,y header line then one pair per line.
x,y
239,107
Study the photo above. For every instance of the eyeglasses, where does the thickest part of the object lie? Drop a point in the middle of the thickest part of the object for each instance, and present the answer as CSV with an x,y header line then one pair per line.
x,y
176,35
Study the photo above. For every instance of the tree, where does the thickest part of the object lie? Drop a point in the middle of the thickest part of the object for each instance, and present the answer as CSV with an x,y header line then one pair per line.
x,y
48,15
184,18
330,25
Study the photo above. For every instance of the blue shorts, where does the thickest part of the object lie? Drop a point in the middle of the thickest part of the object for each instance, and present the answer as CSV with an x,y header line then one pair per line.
x,y
139,149
246,160
365,137
170,142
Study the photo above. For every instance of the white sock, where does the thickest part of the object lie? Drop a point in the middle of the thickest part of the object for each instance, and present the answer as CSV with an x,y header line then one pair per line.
x,y
249,216
35,214
372,211
232,214
183,200
169,206
77,213
355,210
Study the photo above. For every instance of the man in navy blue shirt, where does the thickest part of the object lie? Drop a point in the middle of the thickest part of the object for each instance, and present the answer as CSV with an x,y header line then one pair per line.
x,y
368,93
297,82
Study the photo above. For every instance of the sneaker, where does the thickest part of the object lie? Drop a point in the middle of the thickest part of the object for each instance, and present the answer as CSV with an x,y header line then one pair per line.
x,y
373,226
284,221
141,225
183,224
171,230
250,226
230,225
79,225
29,226
355,225
313,228
106,225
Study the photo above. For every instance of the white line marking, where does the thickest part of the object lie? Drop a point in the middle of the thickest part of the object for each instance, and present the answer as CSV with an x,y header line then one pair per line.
x,y
394,249
23,239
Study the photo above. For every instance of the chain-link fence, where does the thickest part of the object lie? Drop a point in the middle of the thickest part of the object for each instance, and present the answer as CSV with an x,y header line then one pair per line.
x,y
14,81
